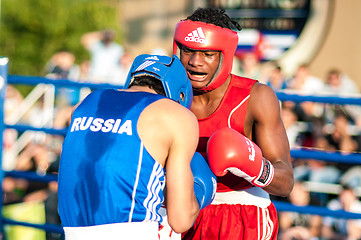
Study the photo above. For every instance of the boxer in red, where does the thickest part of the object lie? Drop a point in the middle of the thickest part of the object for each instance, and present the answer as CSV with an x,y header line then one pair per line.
x,y
239,119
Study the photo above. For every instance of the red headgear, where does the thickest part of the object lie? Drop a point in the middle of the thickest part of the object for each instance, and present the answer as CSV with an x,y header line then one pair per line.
x,y
205,36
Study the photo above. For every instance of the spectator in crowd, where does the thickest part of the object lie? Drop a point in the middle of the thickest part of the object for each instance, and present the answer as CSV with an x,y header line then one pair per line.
x,y
276,80
120,74
303,82
84,71
339,228
295,225
105,56
317,171
13,101
352,177
62,66
36,157
338,83
320,171
340,137
342,140
43,158
248,65
292,126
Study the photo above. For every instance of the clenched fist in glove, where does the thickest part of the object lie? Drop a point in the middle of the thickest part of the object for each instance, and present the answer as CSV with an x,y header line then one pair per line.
x,y
228,150
205,182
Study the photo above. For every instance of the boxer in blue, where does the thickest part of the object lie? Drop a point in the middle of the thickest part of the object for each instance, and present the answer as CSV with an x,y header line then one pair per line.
x,y
123,147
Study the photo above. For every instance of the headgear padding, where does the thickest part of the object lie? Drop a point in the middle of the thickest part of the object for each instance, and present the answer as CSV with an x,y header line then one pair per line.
x,y
169,70
205,36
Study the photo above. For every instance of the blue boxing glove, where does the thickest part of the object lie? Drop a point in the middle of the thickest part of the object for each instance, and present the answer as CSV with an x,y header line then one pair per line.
x,y
205,183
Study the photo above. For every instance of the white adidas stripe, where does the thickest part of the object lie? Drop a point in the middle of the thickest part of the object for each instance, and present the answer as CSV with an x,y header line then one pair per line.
x,y
154,187
197,33
136,182
144,65
200,32
153,58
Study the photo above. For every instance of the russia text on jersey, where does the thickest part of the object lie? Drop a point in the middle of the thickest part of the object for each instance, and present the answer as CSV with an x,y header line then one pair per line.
x,y
99,124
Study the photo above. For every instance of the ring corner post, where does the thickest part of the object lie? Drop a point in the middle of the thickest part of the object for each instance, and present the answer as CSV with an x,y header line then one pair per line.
x,y
4,65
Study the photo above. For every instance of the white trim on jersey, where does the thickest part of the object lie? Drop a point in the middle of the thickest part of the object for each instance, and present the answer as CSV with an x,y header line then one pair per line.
x,y
136,181
234,109
154,187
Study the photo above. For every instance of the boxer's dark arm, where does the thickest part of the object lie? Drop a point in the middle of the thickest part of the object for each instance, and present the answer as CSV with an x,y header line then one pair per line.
x,y
270,135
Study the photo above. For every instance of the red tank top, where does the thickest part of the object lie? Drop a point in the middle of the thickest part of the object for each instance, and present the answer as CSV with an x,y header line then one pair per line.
x,y
230,113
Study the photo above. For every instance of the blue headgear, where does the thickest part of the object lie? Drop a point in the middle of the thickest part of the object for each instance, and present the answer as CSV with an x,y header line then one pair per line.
x,y
169,71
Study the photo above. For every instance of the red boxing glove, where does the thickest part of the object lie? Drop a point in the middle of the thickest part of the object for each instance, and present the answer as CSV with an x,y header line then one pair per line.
x,y
228,150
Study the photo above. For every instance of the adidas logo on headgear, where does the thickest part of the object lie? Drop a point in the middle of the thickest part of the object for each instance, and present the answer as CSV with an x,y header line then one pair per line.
x,y
195,36
153,58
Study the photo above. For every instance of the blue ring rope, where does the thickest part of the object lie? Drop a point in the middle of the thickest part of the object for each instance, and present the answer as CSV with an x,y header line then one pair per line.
x,y
23,128
47,227
282,96
32,176
34,80
335,157
314,210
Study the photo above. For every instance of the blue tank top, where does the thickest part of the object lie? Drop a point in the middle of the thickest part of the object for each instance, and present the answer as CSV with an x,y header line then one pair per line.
x,y
106,175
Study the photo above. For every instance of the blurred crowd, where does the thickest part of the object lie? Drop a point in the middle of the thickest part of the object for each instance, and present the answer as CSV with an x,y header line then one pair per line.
x,y
328,127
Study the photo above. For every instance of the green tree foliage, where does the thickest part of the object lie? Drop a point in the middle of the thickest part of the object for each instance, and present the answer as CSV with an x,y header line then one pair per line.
x,y
33,30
